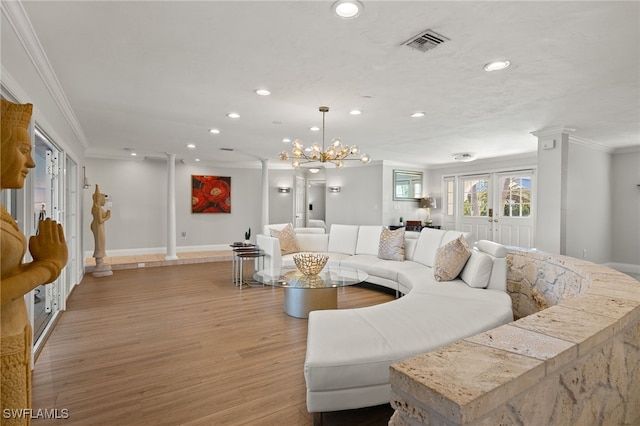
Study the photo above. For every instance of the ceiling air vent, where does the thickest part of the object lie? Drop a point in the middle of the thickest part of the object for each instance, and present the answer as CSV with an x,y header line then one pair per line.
x,y
227,149
426,40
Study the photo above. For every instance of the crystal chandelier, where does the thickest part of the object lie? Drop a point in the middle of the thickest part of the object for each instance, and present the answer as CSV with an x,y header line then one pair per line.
x,y
336,153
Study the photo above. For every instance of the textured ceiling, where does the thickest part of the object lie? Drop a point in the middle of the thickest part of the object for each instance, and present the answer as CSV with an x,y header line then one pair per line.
x,y
154,76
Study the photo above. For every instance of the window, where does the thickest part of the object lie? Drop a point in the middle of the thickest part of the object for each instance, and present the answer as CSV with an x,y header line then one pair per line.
x,y
450,202
475,196
515,198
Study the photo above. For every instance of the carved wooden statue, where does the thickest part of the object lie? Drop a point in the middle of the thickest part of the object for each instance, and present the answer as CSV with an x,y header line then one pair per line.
x,y
100,216
49,252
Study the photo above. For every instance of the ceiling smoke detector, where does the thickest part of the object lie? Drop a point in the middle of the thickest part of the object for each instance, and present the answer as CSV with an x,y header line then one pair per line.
x,y
426,40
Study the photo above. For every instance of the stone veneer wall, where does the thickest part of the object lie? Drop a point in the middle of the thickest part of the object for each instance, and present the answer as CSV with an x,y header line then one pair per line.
x,y
573,357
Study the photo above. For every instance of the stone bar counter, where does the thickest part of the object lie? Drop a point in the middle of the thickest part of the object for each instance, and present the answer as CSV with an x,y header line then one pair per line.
x,y
571,357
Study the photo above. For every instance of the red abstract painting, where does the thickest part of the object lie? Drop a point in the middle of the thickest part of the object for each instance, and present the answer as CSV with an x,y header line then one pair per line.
x,y
210,194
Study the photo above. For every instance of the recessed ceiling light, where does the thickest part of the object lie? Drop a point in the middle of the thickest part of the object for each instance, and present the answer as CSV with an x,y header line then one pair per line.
x,y
355,112
347,9
191,145
314,170
464,157
262,92
197,160
133,154
496,66
214,131
418,114
286,140
233,115
314,128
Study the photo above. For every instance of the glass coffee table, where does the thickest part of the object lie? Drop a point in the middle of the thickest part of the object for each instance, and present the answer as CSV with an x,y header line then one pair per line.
x,y
303,294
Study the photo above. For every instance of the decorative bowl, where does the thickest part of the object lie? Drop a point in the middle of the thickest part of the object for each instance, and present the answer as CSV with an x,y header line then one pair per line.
x,y
310,263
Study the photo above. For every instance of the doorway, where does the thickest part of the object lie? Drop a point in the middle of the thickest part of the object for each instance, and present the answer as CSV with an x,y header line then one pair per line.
x,y
498,207
300,195
47,199
316,203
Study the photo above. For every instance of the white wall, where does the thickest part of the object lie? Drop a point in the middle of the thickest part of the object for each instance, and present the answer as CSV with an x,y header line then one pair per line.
x,y
393,210
359,201
588,204
281,204
138,193
625,207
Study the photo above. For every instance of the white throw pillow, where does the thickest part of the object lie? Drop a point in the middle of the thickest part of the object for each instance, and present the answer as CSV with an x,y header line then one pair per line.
x,y
477,271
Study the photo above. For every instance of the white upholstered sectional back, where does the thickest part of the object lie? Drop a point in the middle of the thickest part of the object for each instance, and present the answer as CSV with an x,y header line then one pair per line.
x,y
357,246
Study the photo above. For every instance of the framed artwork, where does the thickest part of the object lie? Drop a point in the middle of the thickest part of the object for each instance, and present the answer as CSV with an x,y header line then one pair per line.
x,y
210,194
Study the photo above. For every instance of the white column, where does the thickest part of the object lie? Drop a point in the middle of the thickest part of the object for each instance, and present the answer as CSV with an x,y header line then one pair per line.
x,y
551,226
265,193
171,207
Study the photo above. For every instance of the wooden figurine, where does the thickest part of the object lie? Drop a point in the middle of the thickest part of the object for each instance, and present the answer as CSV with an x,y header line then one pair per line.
x,y
100,216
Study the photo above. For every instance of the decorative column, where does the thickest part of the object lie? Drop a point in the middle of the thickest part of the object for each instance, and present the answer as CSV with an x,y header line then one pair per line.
x,y
265,193
171,207
553,148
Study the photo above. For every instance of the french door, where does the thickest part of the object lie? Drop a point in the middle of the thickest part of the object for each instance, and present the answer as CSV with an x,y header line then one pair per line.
x,y
47,202
498,207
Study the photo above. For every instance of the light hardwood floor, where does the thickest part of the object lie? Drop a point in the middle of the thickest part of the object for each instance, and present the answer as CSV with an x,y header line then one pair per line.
x,y
181,345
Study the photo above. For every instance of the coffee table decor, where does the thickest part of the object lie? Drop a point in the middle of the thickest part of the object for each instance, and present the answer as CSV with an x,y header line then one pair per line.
x,y
306,293
310,264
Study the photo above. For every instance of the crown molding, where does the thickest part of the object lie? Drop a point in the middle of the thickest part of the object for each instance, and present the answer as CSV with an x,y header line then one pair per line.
x,y
627,149
489,161
590,144
19,21
553,130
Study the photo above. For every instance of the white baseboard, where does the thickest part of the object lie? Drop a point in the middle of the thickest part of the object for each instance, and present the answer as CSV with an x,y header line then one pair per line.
x,y
624,267
161,250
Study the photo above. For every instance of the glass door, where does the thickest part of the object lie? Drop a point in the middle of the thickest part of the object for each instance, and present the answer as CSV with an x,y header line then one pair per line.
x,y
513,218
71,230
46,204
498,207
476,208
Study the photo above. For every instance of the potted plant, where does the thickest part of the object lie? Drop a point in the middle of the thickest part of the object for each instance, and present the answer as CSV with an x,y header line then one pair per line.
x,y
247,236
401,221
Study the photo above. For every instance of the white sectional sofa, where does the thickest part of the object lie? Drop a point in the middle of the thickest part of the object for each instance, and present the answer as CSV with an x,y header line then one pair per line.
x,y
349,351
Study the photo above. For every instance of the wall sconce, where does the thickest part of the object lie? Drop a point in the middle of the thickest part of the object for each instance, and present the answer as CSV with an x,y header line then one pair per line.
x,y
334,189
85,180
284,189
